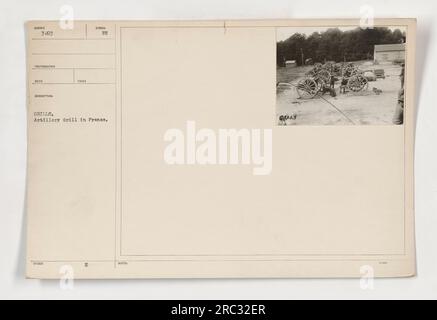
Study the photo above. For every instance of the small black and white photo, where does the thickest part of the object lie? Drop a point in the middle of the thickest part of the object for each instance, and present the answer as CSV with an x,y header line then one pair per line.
x,y
344,75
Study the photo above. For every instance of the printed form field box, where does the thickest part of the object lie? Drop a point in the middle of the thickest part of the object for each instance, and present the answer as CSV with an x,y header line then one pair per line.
x,y
73,61
68,47
51,76
94,76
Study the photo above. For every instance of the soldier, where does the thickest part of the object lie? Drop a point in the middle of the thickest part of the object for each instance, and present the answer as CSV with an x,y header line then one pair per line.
x,y
398,117
399,112
343,85
402,75
332,82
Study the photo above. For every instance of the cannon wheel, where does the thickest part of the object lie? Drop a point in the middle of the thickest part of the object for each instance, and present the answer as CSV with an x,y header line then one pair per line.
x,y
307,88
357,83
349,70
325,76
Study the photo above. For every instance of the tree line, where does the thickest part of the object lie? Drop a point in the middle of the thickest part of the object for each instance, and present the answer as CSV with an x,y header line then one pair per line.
x,y
335,45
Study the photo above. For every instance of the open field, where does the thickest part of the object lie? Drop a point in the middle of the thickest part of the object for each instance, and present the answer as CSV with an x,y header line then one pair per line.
x,y
360,108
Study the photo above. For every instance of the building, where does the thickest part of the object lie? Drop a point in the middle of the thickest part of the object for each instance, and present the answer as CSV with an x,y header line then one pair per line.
x,y
290,63
389,52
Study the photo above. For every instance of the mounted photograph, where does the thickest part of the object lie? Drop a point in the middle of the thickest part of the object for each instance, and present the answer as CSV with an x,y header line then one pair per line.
x,y
340,75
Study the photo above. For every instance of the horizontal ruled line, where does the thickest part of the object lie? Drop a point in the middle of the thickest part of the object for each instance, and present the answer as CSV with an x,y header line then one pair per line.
x,y
73,39
72,68
78,83
73,54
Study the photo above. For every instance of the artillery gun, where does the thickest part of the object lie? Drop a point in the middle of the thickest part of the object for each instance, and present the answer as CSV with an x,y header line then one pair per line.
x,y
320,76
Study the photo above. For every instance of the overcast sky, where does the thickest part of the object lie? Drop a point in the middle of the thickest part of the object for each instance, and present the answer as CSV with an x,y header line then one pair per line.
x,y
284,33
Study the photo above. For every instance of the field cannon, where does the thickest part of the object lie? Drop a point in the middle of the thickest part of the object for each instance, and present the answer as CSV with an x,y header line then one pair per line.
x,y
323,76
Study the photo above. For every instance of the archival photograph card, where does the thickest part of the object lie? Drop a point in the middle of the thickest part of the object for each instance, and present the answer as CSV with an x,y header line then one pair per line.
x,y
220,149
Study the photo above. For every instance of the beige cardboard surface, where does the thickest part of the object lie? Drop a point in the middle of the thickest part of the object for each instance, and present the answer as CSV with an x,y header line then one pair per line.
x,y
102,200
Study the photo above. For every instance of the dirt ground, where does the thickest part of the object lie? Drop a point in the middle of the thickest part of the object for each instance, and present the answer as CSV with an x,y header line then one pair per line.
x,y
365,107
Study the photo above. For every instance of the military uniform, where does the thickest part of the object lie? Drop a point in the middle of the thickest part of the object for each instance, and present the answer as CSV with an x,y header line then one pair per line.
x,y
399,112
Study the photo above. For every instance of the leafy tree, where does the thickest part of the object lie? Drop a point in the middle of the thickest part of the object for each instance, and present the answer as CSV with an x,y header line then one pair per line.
x,y
335,45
